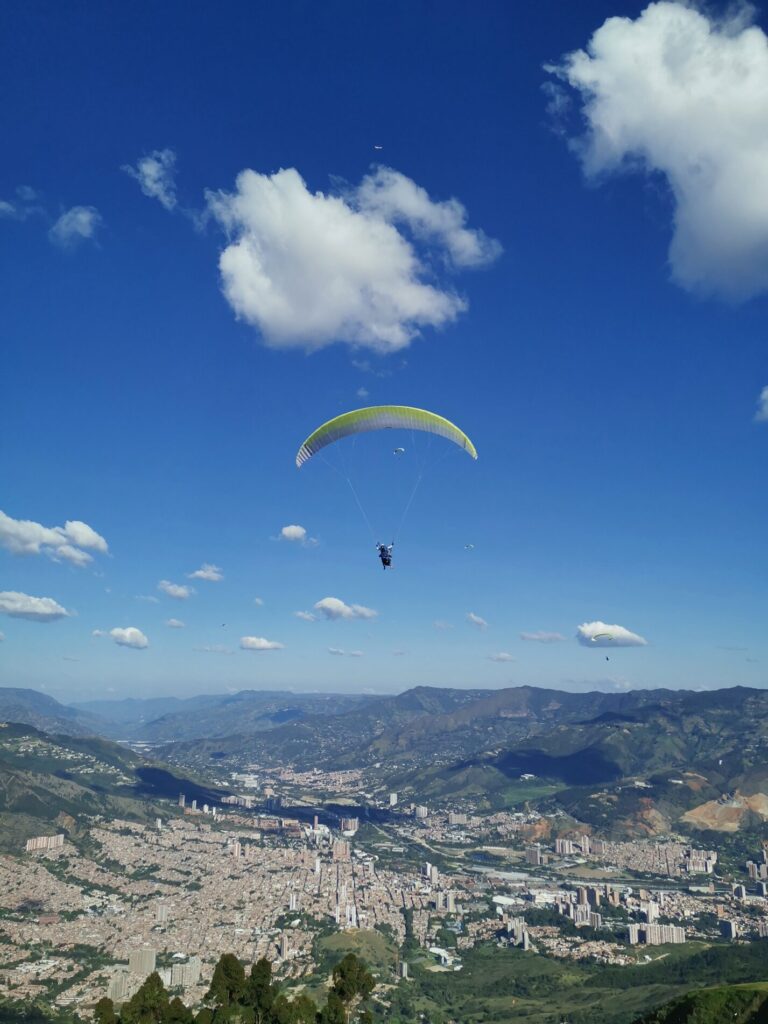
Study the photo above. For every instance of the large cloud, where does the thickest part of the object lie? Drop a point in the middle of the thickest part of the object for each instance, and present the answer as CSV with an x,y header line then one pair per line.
x,y
333,608
309,269
78,224
259,643
685,94
176,590
129,636
36,609
67,542
589,635
155,174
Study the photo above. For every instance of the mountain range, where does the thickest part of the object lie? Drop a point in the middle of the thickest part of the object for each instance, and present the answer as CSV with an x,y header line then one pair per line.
x,y
643,760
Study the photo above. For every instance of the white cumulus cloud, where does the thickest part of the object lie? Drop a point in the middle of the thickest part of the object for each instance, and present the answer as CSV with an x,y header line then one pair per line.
x,y
155,174
333,608
761,416
67,542
129,636
209,572
297,535
683,93
174,623
543,636
600,634
177,590
259,643
476,620
501,656
309,269
78,224
397,199
36,609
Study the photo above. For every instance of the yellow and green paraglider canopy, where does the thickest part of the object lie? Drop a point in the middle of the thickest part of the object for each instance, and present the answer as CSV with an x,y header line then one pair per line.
x,y
382,417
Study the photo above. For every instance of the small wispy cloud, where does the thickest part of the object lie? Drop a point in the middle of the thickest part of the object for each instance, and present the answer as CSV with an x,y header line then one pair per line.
x,y
501,656
442,626
476,620
129,636
176,590
306,616
761,416
155,174
259,643
297,535
149,598
333,608
341,653
258,601
79,224
209,572
213,649
542,636
174,623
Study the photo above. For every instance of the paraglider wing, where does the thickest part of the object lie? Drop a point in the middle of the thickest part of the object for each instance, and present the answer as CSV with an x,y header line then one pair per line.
x,y
602,636
381,417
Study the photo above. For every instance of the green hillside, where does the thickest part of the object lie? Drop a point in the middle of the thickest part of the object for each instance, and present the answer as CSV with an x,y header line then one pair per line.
x,y
734,1004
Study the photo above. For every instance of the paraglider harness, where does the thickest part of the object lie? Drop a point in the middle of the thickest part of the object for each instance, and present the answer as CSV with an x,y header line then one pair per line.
x,y
385,554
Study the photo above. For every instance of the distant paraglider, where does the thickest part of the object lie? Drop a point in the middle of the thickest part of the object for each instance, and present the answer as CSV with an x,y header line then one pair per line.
x,y
603,636
399,451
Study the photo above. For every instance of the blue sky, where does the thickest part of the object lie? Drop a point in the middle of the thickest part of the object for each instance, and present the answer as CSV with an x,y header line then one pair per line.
x,y
591,310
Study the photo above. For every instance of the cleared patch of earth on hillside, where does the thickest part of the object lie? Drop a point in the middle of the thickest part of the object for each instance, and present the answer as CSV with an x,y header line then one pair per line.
x,y
727,816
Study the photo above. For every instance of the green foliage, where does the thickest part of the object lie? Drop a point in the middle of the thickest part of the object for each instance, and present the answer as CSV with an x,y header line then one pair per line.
x,y
352,981
147,1006
228,982
713,1006
104,1012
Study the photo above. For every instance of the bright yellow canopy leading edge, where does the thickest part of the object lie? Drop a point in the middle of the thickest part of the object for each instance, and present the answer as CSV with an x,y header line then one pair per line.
x,y
382,417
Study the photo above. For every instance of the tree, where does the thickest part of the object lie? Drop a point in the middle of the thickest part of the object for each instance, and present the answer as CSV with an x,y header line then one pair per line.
x,y
334,1011
178,1013
259,991
228,982
147,1006
104,1012
303,1010
352,983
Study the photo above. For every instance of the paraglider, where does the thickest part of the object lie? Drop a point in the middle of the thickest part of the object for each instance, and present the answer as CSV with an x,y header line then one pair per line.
x,y
469,547
603,636
383,417
385,554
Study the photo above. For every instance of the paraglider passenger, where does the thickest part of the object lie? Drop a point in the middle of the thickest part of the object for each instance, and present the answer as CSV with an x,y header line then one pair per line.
x,y
385,554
